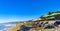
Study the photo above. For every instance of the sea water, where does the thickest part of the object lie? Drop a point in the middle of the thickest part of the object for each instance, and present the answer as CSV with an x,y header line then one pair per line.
x,y
6,27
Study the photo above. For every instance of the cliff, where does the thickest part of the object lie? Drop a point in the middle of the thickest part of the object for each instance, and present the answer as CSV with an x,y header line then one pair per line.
x,y
49,22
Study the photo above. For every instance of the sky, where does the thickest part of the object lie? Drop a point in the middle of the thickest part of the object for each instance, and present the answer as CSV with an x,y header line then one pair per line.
x,y
24,10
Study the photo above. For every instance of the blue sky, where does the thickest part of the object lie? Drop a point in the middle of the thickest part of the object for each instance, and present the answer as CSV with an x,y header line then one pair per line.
x,y
22,10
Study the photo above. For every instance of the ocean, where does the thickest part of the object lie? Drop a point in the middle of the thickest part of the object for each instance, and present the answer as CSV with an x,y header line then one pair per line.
x,y
5,27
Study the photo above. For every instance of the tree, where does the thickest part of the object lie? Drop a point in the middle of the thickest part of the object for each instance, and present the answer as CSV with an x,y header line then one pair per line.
x,y
49,13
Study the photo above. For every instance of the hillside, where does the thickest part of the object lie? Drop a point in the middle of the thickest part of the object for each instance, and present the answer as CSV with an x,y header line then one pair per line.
x,y
49,22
